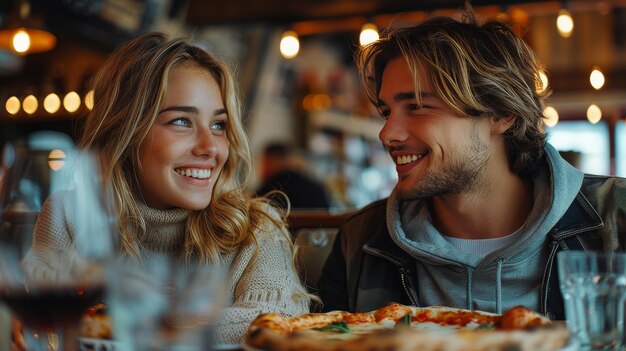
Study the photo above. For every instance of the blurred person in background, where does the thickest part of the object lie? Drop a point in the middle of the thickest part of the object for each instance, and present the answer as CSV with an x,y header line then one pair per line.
x,y
482,203
166,126
284,169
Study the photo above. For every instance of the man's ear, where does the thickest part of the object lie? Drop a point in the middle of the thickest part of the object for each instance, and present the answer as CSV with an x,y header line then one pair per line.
x,y
499,126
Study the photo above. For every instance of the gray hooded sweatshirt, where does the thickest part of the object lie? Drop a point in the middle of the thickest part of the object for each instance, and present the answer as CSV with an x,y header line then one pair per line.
x,y
505,278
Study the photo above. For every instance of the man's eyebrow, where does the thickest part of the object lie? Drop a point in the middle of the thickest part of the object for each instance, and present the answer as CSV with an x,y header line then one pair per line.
x,y
411,95
403,96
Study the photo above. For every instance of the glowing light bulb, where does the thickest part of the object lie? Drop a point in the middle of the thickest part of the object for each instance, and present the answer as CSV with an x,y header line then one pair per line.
x,y
52,103
56,159
71,101
551,116
13,105
30,104
21,41
89,99
596,78
565,23
369,34
594,114
289,45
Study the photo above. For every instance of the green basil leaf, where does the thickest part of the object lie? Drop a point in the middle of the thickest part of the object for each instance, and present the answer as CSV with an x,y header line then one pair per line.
x,y
337,327
404,321
487,326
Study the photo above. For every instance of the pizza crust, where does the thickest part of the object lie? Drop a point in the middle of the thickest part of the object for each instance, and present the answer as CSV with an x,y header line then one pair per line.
x,y
432,328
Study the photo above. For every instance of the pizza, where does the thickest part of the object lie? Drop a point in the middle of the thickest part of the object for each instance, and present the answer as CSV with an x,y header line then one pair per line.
x,y
96,324
400,327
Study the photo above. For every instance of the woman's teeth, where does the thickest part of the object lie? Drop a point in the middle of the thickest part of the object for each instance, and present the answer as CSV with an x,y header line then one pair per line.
x,y
194,173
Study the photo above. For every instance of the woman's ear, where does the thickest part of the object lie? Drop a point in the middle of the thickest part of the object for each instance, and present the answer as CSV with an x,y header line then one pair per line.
x,y
501,125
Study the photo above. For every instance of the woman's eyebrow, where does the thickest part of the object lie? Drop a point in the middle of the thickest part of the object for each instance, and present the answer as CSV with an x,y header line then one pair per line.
x,y
188,109
191,109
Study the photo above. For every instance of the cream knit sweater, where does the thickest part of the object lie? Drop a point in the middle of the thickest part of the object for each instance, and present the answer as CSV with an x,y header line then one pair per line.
x,y
261,284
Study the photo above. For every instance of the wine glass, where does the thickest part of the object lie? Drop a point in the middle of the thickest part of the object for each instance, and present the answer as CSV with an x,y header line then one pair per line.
x,y
56,237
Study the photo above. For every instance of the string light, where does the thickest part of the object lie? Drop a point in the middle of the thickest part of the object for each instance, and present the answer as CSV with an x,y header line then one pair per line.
x,y
52,103
594,114
89,99
12,105
56,159
565,23
289,45
596,78
71,101
30,104
551,116
369,34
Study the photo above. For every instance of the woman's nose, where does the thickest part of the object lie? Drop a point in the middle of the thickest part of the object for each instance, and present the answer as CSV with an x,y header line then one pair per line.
x,y
205,143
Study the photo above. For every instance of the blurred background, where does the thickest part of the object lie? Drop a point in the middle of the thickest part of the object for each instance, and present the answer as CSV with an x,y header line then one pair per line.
x,y
308,94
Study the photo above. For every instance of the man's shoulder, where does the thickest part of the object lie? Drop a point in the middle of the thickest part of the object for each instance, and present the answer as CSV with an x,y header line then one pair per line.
x,y
604,184
599,188
366,222
372,209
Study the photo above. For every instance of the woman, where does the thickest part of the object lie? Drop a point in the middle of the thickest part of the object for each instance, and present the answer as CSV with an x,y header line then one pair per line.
x,y
166,126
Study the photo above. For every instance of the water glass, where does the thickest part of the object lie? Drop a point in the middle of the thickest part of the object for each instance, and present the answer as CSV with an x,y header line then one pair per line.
x,y
594,291
165,305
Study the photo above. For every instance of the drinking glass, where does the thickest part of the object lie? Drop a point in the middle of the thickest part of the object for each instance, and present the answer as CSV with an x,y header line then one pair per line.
x,y
594,291
52,267
161,304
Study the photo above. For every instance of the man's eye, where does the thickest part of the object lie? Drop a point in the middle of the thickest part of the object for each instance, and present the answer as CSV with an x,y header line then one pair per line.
x,y
182,122
414,107
384,113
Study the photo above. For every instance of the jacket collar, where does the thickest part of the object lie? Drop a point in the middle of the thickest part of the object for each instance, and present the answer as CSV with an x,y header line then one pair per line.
x,y
381,245
579,217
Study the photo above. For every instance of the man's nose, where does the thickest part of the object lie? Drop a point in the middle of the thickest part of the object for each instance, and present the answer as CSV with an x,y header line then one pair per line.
x,y
394,131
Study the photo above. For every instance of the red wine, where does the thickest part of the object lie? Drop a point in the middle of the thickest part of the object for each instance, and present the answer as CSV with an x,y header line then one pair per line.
x,y
46,308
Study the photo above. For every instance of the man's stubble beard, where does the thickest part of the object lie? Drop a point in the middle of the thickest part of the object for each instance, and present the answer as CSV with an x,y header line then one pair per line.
x,y
463,174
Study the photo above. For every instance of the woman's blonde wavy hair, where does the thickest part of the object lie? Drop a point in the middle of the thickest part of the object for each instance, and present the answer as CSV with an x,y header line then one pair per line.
x,y
478,70
129,90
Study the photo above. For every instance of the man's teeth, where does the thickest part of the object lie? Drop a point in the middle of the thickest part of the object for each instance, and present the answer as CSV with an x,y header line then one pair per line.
x,y
194,173
404,159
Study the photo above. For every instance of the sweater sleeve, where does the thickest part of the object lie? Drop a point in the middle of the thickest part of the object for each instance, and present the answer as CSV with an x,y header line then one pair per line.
x,y
261,283
50,256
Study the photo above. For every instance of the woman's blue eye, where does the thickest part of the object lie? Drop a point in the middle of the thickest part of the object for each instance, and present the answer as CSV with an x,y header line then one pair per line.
x,y
183,122
221,125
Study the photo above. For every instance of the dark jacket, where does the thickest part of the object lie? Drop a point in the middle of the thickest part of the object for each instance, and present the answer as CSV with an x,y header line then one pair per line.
x,y
366,269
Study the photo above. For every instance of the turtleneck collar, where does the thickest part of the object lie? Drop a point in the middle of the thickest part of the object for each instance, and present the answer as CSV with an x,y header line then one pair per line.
x,y
165,230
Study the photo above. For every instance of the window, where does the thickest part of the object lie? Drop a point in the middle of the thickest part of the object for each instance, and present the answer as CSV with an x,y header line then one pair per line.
x,y
583,144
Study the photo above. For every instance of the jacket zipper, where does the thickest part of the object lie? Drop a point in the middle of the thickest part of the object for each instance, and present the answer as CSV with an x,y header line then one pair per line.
x,y
549,267
403,271
547,275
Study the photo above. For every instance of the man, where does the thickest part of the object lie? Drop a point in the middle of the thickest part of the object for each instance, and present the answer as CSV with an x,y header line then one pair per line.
x,y
283,169
483,203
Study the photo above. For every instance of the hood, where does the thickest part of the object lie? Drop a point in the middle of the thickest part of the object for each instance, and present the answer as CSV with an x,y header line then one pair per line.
x,y
556,185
